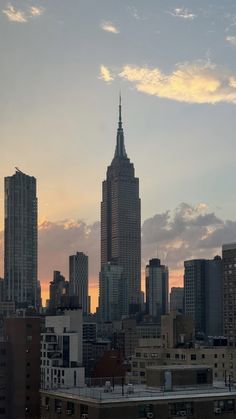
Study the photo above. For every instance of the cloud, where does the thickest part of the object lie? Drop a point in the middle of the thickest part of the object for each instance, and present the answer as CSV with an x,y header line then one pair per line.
x,y
15,15
231,40
58,240
187,232
109,27
36,11
183,13
105,74
197,82
21,16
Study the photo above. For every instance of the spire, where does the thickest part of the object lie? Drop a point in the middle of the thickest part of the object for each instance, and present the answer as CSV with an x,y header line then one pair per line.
x,y
120,145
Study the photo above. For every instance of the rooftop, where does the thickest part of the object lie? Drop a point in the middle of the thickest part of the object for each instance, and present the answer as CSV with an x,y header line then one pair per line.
x,y
178,367
141,392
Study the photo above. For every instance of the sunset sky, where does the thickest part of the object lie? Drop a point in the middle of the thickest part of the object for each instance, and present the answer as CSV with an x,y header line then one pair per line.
x,y
63,63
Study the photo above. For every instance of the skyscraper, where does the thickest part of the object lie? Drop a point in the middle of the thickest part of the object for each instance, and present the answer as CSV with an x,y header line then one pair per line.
x,y
203,294
78,279
20,259
58,287
157,288
121,221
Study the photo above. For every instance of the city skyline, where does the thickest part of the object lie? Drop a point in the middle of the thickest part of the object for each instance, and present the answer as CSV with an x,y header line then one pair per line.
x,y
48,107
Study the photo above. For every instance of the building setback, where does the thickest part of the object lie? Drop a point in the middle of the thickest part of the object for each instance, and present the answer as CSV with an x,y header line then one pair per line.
x,y
121,220
78,279
20,259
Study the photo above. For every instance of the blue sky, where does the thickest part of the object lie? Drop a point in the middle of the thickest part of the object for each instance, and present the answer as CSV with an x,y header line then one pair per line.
x,y
63,63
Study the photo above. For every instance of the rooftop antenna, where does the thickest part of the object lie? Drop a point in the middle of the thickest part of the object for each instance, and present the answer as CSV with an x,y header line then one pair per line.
x,y
18,170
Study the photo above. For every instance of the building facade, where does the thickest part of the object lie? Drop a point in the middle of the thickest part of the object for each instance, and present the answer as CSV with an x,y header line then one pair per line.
x,y
23,360
78,279
177,299
121,220
20,259
62,350
140,401
157,288
203,296
229,291
58,288
111,293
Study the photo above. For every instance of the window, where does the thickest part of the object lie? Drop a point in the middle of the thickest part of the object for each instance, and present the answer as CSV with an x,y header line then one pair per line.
x,y
201,377
181,409
193,357
224,405
215,355
215,365
70,407
203,356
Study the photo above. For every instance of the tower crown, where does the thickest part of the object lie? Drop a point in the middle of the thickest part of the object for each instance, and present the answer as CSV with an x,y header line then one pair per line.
x,y
120,151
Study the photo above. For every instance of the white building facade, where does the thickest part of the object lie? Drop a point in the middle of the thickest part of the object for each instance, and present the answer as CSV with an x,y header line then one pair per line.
x,y
62,351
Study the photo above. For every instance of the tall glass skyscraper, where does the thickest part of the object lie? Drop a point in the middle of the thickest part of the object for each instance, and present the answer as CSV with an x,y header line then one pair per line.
x,y
21,238
121,220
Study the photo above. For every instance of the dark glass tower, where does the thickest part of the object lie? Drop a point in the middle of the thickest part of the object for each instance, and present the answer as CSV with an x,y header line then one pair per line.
x,y
121,220
20,259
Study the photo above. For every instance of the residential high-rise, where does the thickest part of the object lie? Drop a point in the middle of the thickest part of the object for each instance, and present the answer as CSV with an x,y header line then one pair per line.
x,y
157,288
20,260
78,279
120,220
62,350
23,359
229,291
203,295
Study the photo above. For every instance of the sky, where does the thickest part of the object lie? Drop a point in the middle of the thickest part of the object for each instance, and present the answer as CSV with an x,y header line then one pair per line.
x,y
63,63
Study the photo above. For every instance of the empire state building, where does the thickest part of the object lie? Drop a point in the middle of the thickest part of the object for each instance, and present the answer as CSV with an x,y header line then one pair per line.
x,y
121,220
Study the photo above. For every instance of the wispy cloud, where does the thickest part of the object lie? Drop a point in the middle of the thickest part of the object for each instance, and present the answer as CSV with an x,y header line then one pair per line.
x,y
15,15
109,27
231,40
197,82
105,74
183,13
36,11
21,16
